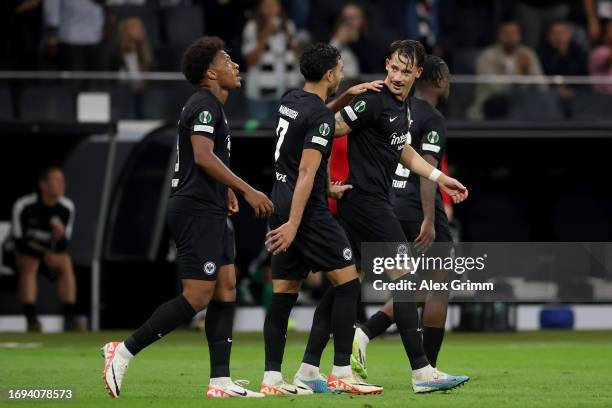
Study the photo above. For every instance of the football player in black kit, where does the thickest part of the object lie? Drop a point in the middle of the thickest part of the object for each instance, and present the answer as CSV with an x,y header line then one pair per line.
x,y
378,125
304,235
202,197
419,207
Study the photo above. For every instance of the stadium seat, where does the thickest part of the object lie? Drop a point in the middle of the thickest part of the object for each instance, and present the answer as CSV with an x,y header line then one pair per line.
x,y
183,24
6,104
588,105
535,105
48,103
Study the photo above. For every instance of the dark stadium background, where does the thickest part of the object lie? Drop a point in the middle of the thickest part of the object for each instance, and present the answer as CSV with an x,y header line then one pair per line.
x,y
537,171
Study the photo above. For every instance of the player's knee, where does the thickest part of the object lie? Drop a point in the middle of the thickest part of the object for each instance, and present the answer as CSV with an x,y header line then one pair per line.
x,y
286,286
198,299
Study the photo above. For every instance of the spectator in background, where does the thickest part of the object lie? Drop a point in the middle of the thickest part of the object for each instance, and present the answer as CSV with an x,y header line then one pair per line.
x,y
75,30
422,22
41,228
347,31
536,15
507,57
270,51
561,56
133,54
600,61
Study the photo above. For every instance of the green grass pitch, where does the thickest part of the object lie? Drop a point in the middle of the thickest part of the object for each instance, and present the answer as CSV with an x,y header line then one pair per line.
x,y
530,369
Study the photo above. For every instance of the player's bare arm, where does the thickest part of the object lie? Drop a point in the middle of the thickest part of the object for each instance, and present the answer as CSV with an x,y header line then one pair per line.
x,y
280,239
342,128
414,162
206,159
346,97
427,234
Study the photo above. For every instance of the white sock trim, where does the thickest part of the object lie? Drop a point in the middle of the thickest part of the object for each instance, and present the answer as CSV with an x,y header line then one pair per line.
x,y
272,378
124,352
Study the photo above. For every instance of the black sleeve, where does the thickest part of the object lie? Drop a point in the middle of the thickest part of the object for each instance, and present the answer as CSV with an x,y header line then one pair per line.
x,y
433,141
363,110
320,132
205,119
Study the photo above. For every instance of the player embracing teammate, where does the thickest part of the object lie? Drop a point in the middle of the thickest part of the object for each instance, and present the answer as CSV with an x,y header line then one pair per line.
x,y
419,207
378,126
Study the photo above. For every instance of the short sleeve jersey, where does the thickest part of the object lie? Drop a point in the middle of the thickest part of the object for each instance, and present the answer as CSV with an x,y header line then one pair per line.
x,y
303,122
193,190
427,137
379,125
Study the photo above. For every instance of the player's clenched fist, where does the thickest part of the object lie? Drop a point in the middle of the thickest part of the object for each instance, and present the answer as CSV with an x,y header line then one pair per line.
x,y
261,204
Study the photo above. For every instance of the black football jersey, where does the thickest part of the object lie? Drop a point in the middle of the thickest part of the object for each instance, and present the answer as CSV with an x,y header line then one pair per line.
x,y
427,137
193,190
32,224
379,125
303,122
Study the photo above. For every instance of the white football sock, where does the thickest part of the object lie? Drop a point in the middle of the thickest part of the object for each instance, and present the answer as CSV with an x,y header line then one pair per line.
x,y
272,378
361,337
341,371
308,372
220,382
424,373
123,352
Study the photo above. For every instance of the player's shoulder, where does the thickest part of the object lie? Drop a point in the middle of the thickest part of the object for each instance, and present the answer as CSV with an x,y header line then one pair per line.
x,y
25,201
66,203
201,100
301,105
423,110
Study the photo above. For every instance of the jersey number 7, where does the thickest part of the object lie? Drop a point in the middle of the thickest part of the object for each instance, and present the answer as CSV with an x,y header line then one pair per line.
x,y
281,131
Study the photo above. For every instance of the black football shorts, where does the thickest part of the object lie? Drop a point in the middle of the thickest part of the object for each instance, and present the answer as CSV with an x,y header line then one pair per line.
x,y
203,244
368,220
320,245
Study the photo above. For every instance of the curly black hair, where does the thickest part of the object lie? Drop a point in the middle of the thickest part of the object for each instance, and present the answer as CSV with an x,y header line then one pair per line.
x,y
434,69
198,57
317,59
412,50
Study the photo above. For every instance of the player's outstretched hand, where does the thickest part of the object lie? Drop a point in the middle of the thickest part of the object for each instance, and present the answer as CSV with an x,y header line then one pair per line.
x,y
261,204
280,239
456,191
232,202
366,86
336,190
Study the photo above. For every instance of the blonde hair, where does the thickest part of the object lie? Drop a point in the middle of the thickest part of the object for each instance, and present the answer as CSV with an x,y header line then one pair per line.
x,y
128,44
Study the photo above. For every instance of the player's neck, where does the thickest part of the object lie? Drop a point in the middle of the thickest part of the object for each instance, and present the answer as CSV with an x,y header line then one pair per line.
x,y
220,93
401,97
48,200
317,88
429,97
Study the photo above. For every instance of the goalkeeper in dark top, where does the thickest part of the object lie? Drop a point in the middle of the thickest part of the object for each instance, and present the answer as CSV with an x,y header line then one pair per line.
x,y
419,207
378,124
304,235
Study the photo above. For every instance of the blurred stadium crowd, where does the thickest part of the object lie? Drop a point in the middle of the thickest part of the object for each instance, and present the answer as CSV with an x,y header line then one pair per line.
x,y
482,37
